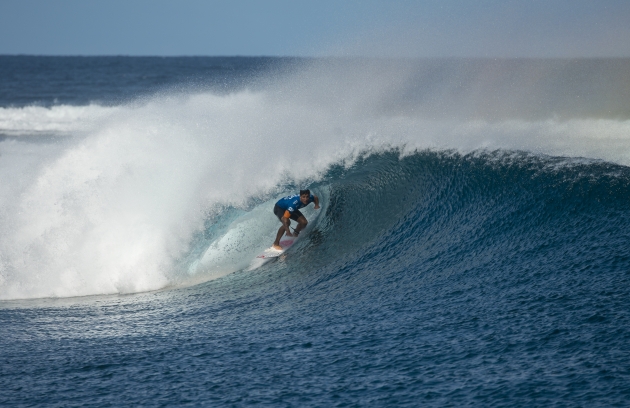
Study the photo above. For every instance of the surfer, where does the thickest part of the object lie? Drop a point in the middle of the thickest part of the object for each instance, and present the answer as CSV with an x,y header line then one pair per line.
x,y
287,209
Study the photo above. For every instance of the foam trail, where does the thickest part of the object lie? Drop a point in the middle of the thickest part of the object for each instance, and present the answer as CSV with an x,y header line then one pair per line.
x,y
114,210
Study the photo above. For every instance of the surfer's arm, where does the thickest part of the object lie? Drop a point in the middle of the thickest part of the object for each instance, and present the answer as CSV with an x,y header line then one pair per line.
x,y
316,200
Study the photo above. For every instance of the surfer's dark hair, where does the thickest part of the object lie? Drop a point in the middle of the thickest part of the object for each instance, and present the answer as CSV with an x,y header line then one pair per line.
x,y
302,192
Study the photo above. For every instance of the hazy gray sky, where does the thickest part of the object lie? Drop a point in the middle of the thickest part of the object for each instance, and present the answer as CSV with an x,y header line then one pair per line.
x,y
492,28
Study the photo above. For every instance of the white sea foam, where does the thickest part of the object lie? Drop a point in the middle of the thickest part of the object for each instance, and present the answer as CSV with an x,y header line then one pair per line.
x,y
111,211
33,120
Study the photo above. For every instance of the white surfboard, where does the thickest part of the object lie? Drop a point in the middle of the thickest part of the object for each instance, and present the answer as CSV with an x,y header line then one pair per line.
x,y
272,254
285,243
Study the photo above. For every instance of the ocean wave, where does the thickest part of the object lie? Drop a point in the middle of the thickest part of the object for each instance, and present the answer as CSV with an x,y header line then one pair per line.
x,y
117,208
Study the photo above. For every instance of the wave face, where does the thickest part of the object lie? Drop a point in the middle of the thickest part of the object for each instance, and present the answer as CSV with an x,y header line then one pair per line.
x,y
475,227
503,221
472,247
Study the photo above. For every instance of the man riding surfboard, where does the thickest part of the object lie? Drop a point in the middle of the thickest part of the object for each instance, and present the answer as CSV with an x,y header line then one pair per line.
x,y
287,209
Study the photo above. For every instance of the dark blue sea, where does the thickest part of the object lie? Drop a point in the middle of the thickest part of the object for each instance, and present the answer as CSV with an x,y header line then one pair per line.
x,y
472,249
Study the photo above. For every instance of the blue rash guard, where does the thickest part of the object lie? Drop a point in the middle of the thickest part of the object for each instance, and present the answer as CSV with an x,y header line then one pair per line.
x,y
293,203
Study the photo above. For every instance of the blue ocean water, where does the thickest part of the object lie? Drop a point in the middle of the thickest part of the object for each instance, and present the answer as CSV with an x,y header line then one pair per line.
x,y
472,246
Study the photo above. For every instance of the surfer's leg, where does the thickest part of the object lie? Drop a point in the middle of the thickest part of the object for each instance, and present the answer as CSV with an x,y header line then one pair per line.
x,y
276,243
302,223
286,227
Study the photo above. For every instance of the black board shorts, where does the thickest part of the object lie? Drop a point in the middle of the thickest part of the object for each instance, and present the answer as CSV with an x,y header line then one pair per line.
x,y
279,212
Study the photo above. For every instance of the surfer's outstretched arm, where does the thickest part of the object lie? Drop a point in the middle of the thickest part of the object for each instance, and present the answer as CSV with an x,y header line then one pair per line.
x,y
316,200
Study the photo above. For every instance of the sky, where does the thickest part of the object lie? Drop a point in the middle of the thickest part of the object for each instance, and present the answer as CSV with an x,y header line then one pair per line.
x,y
399,28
